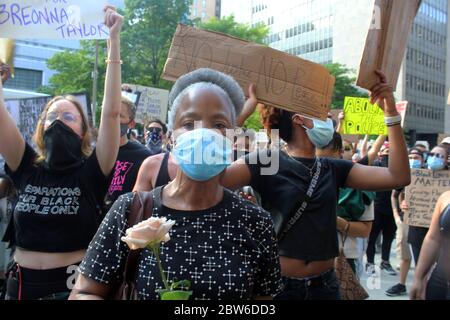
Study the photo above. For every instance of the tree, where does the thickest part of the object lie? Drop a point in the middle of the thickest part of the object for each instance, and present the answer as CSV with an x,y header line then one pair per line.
x,y
147,36
74,71
229,26
345,85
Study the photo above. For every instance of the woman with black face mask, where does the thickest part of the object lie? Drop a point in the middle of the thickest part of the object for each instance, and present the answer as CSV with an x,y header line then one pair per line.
x,y
62,185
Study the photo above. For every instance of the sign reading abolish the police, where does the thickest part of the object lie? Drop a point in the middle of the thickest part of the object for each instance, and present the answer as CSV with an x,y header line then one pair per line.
x,y
422,195
52,19
282,80
362,117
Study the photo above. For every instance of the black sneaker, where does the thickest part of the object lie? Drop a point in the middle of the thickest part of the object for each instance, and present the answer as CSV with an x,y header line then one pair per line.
x,y
386,266
397,291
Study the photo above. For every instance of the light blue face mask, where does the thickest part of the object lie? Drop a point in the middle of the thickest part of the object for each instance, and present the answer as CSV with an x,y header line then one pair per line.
x,y
322,133
203,154
415,164
434,163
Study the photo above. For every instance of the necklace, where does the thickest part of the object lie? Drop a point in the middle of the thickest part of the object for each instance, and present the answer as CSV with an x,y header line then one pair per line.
x,y
301,163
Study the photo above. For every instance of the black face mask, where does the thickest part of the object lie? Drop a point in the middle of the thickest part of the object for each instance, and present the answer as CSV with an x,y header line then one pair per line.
x,y
62,147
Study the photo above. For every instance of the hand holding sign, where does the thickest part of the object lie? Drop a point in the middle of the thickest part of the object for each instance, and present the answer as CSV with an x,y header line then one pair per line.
x,y
249,106
383,95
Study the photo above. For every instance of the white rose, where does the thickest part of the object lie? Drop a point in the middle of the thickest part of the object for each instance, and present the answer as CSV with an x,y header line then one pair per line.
x,y
154,230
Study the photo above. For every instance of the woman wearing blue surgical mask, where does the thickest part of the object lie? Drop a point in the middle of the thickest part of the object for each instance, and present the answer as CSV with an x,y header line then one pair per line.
x,y
62,185
437,158
436,162
302,194
224,245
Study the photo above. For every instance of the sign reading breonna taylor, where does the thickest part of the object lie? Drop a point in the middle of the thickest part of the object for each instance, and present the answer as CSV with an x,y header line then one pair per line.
x,y
52,19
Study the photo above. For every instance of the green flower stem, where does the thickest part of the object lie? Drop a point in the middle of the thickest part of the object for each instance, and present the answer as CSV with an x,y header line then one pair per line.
x,y
156,248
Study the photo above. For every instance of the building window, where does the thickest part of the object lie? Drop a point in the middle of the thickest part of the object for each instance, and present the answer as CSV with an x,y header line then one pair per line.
x,y
25,79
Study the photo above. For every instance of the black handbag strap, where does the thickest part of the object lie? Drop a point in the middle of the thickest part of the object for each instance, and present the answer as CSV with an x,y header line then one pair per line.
x,y
301,210
141,209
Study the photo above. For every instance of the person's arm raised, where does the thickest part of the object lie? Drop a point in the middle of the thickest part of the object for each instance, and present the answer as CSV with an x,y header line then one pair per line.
x,y
12,144
109,133
373,152
249,106
398,174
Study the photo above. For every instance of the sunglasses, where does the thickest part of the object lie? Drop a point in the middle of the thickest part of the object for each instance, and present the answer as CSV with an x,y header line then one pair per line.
x,y
437,155
65,116
155,130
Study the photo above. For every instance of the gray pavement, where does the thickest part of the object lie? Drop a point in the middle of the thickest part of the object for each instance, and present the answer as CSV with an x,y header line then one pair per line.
x,y
377,284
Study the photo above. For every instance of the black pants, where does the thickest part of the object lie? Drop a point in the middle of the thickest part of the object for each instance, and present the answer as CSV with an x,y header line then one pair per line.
x,y
28,284
438,287
384,222
323,287
416,252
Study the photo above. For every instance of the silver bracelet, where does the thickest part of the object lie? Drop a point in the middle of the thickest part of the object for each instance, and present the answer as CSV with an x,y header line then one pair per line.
x,y
393,120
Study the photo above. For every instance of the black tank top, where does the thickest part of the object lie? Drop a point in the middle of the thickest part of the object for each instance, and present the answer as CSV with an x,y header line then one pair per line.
x,y
444,222
163,174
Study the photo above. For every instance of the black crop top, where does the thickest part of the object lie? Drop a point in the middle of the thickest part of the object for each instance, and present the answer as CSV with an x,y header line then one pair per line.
x,y
313,237
57,212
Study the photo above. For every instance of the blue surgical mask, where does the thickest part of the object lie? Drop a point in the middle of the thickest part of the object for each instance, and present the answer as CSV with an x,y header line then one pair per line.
x,y
434,163
203,154
322,133
415,164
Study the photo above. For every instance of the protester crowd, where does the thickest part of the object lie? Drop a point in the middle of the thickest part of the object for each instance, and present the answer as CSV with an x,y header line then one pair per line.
x,y
243,221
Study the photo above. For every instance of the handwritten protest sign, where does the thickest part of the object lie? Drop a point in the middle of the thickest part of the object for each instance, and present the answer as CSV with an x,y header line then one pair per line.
x,y
362,117
422,195
386,45
282,80
52,19
152,105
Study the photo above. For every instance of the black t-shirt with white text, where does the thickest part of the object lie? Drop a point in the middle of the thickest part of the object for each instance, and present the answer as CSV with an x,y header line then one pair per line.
x,y
57,211
126,169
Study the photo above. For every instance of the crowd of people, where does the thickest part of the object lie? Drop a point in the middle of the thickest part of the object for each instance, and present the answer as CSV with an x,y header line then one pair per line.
x,y
250,221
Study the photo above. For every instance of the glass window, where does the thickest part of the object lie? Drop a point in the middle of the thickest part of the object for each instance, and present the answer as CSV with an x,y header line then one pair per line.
x,y
25,79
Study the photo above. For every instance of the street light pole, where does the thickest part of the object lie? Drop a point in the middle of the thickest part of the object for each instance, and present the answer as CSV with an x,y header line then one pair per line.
x,y
94,88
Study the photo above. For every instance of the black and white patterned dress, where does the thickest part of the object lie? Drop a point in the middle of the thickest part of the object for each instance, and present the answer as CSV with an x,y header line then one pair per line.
x,y
227,252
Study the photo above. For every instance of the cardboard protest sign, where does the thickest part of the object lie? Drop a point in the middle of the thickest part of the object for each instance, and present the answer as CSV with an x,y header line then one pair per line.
x,y
422,195
52,19
282,80
153,103
7,48
362,117
386,45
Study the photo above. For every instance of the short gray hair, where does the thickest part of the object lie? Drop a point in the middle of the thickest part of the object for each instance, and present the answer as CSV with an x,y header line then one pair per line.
x,y
223,84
